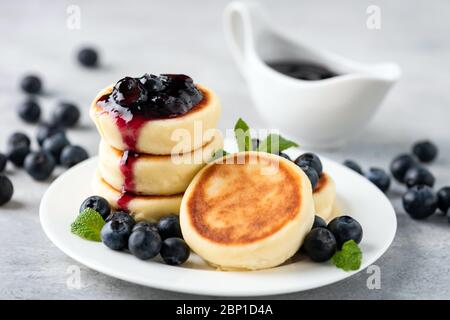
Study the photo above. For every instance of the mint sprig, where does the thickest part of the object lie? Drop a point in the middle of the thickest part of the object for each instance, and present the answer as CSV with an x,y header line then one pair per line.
x,y
274,143
88,225
349,257
242,135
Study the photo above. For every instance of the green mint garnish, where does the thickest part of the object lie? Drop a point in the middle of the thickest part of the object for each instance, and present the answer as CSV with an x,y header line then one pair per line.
x,y
349,257
274,143
88,225
242,134
218,154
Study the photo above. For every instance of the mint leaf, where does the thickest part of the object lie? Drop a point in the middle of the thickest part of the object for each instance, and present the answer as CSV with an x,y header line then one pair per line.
x,y
218,154
349,257
274,143
242,134
88,225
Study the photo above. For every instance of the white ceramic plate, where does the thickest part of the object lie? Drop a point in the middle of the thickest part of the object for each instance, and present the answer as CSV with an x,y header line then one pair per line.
x,y
356,196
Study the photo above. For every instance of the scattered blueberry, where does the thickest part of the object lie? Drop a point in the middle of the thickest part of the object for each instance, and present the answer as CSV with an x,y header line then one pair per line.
x,y
55,145
6,189
345,228
39,165
425,151
144,243
66,115
319,222
97,203
420,201
174,251
115,234
16,154
311,160
284,155
72,155
29,111
169,227
46,131
312,175
145,225
88,57
122,216
31,84
400,165
3,162
255,143
380,178
320,244
443,196
418,175
18,139
353,165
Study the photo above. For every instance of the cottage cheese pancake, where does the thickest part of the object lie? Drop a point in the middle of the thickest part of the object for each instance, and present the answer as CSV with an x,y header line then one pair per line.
x,y
324,196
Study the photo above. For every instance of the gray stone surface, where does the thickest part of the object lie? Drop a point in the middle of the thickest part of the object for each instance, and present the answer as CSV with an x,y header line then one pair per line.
x,y
185,36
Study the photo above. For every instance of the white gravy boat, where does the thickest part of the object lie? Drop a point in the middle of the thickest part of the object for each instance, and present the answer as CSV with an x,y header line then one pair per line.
x,y
321,113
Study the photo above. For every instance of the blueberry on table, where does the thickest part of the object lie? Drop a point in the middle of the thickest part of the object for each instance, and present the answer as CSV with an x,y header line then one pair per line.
x,y
97,203
72,155
3,162
319,222
312,175
29,111
18,139
380,178
144,243
169,227
311,160
88,57
17,154
6,189
55,145
420,201
345,228
443,196
46,131
400,165
174,251
65,114
425,151
353,165
145,225
115,234
320,245
39,165
419,175
31,84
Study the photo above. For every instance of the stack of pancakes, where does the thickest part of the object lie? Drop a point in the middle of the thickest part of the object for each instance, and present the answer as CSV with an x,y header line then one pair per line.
x,y
149,179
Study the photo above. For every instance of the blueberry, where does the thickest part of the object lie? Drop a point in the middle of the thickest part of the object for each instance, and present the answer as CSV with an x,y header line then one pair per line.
x,y
6,189
400,165
418,175
39,165
443,196
72,155
17,154
88,57
425,151
3,162
31,84
320,245
144,243
145,225
152,83
319,222
420,201
18,139
175,251
122,216
55,145
284,155
29,111
97,203
380,178
345,228
311,160
129,91
448,215
255,143
312,175
169,227
353,165
46,131
66,115
115,234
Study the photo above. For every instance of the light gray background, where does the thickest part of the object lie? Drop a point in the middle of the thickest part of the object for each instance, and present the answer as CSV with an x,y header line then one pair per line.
x,y
186,36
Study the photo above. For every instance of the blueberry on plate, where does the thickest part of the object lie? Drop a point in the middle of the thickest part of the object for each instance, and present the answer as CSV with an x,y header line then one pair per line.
x,y
284,155
400,165
345,228
320,244
46,131
311,160
380,178
65,115
353,165
97,203
72,155
255,143
39,165
29,111
145,225
17,154
319,222
144,243
312,174
169,227
419,175
3,162
443,196
425,151
88,57
31,84
18,139
174,251
420,201
122,216
6,189
115,234
55,145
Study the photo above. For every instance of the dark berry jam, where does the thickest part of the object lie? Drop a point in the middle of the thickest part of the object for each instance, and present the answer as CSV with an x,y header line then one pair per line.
x,y
302,70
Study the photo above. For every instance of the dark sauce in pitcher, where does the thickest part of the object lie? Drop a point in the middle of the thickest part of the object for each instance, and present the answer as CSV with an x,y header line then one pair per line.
x,y
303,70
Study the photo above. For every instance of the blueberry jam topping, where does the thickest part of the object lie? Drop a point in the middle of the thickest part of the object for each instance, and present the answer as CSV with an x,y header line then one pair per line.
x,y
303,70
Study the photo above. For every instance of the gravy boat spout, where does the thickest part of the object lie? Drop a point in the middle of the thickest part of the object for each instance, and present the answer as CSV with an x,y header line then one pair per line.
x,y
319,113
